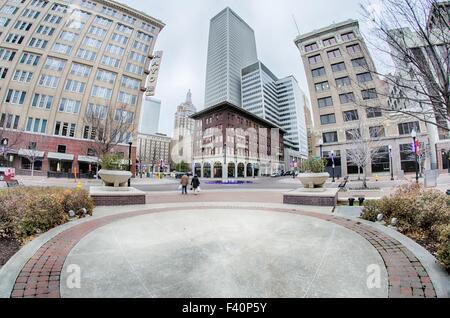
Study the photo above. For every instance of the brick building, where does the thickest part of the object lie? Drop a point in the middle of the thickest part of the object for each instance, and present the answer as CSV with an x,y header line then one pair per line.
x,y
228,136
60,62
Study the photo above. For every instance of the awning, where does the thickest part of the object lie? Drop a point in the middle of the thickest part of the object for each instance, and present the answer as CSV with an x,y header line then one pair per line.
x,y
60,156
31,153
89,159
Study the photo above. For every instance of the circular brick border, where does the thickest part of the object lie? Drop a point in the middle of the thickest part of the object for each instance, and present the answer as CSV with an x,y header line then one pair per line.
x,y
40,277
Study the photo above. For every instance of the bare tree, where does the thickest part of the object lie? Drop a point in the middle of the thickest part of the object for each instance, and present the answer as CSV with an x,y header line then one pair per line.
x,y
412,42
108,126
33,155
362,149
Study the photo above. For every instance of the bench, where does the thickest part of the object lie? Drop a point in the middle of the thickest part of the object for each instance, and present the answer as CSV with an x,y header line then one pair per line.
x,y
343,184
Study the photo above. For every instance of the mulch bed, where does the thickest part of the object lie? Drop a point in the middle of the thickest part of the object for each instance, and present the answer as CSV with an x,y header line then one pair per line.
x,y
7,249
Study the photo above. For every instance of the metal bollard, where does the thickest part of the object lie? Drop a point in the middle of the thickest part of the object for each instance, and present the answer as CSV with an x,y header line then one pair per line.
x,y
350,201
361,201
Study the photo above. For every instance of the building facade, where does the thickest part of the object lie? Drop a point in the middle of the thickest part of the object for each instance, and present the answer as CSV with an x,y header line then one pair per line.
x,y
344,99
149,121
153,153
231,46
279,101
408,79
230,142
181,149
61,60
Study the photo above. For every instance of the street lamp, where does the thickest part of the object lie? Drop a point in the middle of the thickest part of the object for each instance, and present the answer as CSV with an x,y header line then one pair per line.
x,y
390,163
320,143
414,136
129,161
332,162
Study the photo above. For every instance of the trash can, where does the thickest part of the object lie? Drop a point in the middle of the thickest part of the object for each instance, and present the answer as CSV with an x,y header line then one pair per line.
x,y
148,174
350,201
361,201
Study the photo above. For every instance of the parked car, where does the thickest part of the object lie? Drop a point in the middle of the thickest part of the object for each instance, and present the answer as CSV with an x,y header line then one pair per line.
x,y
276,174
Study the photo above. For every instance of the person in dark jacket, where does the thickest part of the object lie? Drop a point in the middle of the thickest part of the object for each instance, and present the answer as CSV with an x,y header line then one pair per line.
x,y
195,183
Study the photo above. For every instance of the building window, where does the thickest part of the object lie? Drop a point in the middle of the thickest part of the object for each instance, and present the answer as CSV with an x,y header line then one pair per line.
x,y
322,86
329,41
55,64
48,81
376,132
318,72
359,62
106,76
352,49
338,67
373,112
327,119
80,70
62,148
69,106
364,77
353,134
62,48
350,115
65,129
22,76
74,86
311,47
330,137
15,97
369,94
7,55
407,128
325,102
348,36
347,98
101,92
334,54
4,71
42,101
315,59
343,81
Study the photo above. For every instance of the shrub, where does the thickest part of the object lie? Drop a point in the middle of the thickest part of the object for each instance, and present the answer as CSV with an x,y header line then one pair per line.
x,y
112,161
443,253
26,211
313,165
371,209
423,215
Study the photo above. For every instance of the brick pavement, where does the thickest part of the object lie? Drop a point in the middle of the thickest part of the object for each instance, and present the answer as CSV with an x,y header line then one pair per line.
x,y
40,277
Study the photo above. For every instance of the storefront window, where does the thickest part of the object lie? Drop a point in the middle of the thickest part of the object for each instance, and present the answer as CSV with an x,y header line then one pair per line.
x,y
380,160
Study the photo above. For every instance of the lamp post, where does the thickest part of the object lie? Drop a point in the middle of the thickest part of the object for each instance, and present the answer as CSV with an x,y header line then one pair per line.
x,y
320,143
129,161
390,163
448,161
225,168
414,136
332,162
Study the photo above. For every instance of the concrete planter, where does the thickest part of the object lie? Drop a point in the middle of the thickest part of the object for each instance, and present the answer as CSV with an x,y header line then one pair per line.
x,y
313,180
114,178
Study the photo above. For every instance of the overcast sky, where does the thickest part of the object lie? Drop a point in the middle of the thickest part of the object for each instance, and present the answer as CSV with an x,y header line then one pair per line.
x,y
184,40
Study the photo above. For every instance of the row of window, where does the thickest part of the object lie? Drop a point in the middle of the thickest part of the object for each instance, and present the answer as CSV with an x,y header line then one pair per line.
x,y
345,98
375,132
350,115
17,97
330,41
333,54
338,67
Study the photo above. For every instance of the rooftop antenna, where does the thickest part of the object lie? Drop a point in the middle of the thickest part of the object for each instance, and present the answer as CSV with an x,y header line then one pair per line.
x,y
296,25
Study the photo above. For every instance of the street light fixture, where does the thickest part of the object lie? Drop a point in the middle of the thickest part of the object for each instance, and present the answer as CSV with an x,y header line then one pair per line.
x,y
129,161
414,136
320,143
390,163
332,162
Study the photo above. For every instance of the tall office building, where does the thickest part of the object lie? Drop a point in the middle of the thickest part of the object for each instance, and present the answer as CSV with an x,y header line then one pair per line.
x,y
231,47
279,101
149,121
60,60
336,62
183,130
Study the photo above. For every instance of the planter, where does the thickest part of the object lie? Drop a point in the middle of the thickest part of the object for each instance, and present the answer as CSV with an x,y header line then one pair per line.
x,y
115,178
313,180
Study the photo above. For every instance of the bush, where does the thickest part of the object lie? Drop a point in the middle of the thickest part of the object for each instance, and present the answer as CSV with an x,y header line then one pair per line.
x,y
313,165
112,161
371,209
421,215
443,253
27,211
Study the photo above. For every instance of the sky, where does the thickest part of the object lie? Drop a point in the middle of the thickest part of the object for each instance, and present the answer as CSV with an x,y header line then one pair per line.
x,y
184,40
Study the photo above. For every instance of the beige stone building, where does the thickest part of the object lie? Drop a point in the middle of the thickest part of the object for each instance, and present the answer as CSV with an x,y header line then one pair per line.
x,y
62,59
153,152
344,97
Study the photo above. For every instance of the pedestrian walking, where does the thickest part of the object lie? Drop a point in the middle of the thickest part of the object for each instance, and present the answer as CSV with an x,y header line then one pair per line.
x,y
184,182
195,183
